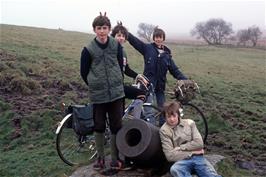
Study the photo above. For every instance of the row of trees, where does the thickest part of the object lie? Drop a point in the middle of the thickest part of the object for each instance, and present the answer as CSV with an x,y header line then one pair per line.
x,y
217,31
251,34
213,31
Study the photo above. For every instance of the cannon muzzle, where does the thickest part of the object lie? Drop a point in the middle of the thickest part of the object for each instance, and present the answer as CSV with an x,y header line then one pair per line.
x,y
140,141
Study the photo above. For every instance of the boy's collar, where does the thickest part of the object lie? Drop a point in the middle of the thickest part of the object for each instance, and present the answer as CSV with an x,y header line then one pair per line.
x,y
164,48
181,123
102,46
100,42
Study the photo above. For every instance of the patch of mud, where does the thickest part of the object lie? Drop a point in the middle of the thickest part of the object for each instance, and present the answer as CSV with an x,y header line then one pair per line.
x,y
41,93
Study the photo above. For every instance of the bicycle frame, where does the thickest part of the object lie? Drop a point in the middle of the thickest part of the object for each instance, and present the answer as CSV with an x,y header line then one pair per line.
x,y
62,123
87,142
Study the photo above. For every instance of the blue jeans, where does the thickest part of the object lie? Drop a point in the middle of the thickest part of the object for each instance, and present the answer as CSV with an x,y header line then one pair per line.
x,y
148,112
160,98
198,164
137,106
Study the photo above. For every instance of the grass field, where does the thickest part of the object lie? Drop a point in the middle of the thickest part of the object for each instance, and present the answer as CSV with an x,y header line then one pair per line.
x,y
39,69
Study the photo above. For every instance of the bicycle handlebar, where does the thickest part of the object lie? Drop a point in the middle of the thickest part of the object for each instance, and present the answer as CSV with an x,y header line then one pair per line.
x,y
185,90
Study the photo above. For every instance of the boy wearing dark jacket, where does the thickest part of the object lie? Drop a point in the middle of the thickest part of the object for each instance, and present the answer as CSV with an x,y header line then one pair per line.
x,y
120,33
157,62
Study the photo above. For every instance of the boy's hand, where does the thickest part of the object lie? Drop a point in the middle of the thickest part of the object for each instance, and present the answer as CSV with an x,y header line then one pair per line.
x,y
201,151
142,79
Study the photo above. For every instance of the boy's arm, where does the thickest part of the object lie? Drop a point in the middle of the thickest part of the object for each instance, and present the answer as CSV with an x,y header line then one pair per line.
x,y
196,143
85,63
173,69
120,57
129,72
136,43
172,153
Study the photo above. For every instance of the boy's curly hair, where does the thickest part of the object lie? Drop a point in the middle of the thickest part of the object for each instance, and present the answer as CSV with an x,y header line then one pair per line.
x,y
120,28
101,20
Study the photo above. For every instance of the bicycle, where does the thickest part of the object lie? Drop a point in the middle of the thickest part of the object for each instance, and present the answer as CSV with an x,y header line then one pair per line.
x,y
75,149
72,148
184,92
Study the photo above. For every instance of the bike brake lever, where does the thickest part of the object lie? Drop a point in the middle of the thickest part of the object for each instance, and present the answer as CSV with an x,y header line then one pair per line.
x,y
197,87
181,91
62,107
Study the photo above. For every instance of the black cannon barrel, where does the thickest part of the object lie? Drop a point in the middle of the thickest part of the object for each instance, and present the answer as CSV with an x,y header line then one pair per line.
x,y
140,141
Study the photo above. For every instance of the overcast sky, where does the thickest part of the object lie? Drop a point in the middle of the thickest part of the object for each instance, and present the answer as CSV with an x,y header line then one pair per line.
x,y
174,16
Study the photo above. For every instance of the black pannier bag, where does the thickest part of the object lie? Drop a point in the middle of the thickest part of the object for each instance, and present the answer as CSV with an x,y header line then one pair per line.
x,y
82,121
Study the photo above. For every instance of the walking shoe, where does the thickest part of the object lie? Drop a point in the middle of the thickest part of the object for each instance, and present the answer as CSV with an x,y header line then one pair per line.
x,y
100,164
120,165
109,172
128,164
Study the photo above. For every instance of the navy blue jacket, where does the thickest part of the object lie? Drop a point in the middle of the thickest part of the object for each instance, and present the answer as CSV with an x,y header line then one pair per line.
x,y
156,64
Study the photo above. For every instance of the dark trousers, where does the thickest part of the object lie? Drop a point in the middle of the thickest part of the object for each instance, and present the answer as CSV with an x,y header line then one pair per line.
x,y
113,110
133,92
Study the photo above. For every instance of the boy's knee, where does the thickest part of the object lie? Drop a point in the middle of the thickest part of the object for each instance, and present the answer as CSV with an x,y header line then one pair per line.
x,y
100,128
173,171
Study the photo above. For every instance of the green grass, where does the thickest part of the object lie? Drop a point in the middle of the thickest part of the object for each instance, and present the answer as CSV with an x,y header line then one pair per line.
x,y
34,153
228,168
41,67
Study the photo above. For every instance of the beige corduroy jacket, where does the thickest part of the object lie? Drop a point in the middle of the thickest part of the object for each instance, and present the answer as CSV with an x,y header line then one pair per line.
x,y
179,142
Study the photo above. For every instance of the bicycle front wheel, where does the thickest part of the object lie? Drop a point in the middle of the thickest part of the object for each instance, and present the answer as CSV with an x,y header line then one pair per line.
x,y
74,149
191,111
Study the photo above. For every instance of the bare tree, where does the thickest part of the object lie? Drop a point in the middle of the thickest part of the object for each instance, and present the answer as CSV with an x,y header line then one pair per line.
x,y
214,31
242,36
254,34
145,31
251,34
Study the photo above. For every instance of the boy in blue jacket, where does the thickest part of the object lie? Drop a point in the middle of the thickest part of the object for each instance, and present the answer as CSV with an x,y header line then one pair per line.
x,y
157,61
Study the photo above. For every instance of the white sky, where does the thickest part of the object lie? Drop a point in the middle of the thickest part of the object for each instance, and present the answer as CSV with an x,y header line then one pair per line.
x,y
174,16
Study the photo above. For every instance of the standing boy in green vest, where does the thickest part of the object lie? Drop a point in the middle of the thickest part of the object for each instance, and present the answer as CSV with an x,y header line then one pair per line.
x,y
101,69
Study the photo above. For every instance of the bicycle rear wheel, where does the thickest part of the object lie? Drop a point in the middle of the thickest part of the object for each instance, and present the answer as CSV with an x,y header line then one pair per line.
x,y
74,149
191,111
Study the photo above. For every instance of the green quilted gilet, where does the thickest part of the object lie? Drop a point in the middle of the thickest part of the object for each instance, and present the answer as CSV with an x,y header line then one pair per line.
x,y
105,79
